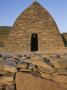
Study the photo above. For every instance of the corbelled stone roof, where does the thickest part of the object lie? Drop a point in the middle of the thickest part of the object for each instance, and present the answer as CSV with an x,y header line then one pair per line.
x,y
33,13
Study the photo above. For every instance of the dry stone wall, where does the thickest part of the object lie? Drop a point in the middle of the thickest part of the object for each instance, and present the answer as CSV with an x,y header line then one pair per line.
x,y
64,36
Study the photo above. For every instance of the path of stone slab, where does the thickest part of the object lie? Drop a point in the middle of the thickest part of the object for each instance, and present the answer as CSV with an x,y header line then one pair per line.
x,y
51,67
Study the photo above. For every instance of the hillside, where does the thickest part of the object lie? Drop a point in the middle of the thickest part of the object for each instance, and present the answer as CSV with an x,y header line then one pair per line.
x,y
4,31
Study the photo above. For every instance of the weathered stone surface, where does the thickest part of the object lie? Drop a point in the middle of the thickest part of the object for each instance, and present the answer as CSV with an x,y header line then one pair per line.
x,y
6,80
60,78
1,67
59,63
26,81
46,75
9,69
22,66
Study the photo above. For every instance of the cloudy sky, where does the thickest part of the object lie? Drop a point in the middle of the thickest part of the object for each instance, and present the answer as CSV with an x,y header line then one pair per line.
x,y
10,9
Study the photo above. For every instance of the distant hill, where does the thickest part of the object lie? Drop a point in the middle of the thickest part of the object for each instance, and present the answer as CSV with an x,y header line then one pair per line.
x,y
4,31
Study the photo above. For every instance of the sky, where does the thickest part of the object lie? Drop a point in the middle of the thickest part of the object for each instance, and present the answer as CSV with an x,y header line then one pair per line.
x,y
11,9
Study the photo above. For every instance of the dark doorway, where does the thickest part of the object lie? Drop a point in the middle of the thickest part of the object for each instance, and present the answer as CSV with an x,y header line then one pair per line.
x,y
34,42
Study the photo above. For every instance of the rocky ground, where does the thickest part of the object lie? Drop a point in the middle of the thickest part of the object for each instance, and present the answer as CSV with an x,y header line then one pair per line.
x,y
29,71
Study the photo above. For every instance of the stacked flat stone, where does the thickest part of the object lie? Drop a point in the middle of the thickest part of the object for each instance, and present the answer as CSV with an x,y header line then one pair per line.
x,y
52,67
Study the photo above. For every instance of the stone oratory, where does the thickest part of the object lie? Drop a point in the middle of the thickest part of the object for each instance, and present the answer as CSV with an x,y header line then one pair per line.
x,y
34,30
21,67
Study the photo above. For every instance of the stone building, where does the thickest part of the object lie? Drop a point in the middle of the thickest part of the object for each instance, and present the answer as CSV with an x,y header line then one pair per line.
x,y
34,30
64,37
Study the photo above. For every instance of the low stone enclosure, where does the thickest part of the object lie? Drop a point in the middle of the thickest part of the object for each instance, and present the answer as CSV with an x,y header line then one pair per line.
x,y
51,67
